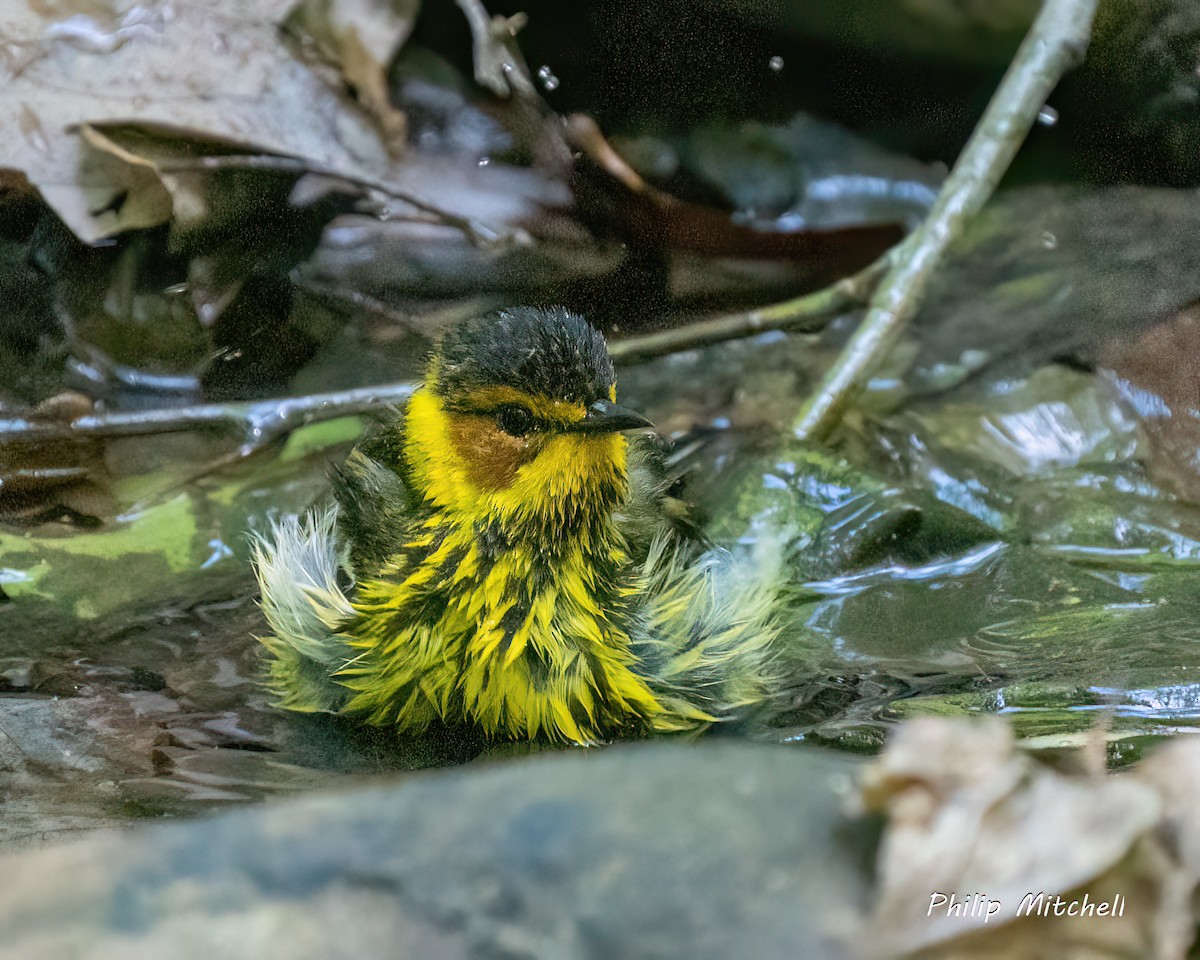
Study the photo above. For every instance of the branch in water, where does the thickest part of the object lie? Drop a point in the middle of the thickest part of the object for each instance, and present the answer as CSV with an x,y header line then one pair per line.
x,y
260,422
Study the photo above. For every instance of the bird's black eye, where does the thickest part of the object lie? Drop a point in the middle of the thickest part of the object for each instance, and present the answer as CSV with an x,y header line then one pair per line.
x,y
514,420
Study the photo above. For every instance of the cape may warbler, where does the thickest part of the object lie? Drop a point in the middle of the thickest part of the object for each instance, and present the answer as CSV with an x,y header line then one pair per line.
x,y
516,561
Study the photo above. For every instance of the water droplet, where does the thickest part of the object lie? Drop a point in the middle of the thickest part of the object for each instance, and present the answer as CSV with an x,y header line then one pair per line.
x,y
549,80
1049,240
1047,116
775,63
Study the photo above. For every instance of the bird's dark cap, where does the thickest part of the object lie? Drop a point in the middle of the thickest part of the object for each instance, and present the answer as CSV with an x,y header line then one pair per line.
x,y
548,352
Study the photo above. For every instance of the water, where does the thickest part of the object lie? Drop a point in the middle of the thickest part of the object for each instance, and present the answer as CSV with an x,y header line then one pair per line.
x,y
1004,553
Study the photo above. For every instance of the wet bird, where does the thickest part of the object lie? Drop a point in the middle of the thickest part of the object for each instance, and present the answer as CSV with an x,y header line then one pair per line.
x,y
507,555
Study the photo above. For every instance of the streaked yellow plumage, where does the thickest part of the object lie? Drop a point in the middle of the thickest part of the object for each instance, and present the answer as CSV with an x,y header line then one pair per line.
x,y
516,564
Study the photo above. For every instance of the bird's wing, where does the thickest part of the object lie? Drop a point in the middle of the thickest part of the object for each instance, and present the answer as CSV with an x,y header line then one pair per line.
x,y
305,603
653,510
376,505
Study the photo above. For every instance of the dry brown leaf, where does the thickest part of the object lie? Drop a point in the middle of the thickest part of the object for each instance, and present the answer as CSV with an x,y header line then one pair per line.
x,y
971,817
361,37
217,73
1175,773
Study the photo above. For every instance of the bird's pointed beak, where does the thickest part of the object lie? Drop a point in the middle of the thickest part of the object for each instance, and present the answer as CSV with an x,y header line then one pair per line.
x,y
604,416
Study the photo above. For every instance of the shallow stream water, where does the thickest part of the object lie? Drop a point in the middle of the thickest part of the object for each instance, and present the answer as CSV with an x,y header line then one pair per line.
x,y
1000,552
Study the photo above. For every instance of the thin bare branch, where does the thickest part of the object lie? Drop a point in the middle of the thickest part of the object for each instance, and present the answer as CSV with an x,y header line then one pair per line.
x,y
478,232
1055,43
260,421
499,66
805,314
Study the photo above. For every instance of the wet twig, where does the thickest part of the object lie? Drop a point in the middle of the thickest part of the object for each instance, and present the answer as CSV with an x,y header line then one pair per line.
x,y
584,134
805,314
260,421
499,66
1055,43
478,232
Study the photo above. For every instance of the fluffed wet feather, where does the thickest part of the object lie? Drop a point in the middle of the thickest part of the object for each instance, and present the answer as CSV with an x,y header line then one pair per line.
x,y
296,562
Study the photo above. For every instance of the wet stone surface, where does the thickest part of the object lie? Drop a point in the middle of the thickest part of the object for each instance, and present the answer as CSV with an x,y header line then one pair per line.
x,y
704,850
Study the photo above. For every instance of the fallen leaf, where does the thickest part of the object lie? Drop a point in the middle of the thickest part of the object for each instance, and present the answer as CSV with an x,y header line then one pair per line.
x,y
979,835
361,37
217,74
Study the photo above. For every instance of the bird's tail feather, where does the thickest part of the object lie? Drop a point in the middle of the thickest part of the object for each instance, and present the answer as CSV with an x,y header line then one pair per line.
x,y
297,567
